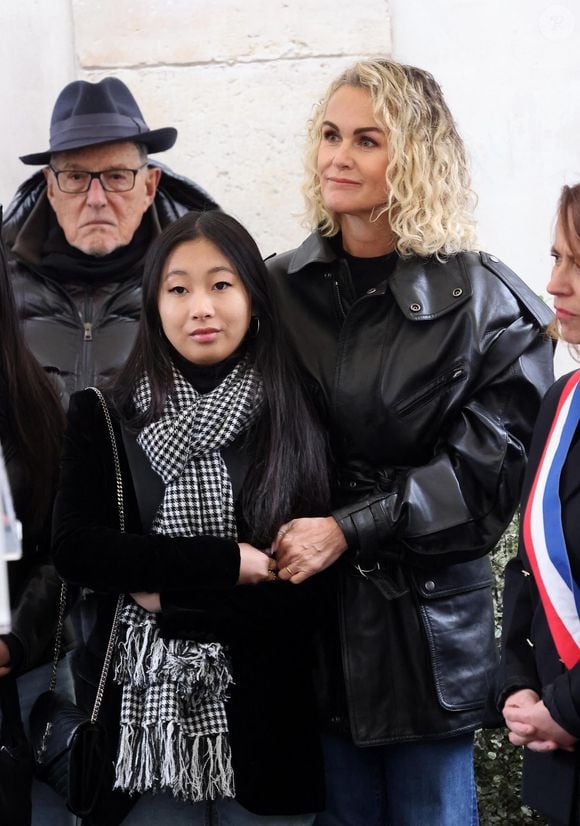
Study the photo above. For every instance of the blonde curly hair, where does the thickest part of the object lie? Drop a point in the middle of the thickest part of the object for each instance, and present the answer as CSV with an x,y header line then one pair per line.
x,y
430,201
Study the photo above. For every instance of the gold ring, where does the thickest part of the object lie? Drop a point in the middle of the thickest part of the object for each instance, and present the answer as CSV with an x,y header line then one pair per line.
x,y
290,571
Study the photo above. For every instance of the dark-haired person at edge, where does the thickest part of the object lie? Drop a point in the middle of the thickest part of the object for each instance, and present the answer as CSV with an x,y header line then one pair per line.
x,y
31,428
212,400
77,230
432,359
539,674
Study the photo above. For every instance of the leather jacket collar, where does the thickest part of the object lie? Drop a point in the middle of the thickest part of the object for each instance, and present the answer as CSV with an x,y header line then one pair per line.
x,y
423,288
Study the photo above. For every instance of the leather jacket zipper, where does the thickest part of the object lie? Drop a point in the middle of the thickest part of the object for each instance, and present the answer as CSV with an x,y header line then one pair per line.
x,y
437,387
88,331
339,306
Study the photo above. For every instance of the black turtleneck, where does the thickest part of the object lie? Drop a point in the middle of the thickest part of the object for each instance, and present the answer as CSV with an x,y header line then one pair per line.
x,y
205,377
62,262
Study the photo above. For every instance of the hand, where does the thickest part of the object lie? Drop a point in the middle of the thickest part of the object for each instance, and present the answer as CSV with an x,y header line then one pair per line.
x,y
304,547
531,724
149,602
524,698
4,659
255,566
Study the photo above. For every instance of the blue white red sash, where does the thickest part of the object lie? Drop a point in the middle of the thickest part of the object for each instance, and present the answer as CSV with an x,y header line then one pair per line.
x,y
543,534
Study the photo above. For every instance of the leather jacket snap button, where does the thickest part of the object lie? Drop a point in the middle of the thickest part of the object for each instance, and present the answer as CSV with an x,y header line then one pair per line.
x,y
371,291
493,258
415,308
429,585
352,484
457,292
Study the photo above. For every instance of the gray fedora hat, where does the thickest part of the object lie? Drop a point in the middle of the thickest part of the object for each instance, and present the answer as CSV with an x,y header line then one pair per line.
x,y
86,114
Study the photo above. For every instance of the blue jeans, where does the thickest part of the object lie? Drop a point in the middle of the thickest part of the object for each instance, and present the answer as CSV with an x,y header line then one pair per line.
x,y
153,810
405,784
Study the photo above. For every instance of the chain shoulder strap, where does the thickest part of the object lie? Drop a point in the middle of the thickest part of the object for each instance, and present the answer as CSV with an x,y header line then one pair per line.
x,y
121,599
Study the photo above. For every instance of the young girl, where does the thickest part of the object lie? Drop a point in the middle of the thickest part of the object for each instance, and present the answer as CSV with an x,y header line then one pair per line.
x,y
218,447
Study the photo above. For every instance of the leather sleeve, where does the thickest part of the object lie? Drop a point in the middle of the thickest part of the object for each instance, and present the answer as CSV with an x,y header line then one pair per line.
x,y
455,507
88,547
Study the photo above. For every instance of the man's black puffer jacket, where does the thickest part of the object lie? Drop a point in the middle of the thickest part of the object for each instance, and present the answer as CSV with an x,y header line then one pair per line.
x,y
81,330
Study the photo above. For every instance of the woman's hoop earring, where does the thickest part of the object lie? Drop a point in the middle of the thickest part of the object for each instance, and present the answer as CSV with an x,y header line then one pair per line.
x,y
254,327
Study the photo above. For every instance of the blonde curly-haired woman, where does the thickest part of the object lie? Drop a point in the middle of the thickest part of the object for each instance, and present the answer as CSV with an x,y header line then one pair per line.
x,y
431,358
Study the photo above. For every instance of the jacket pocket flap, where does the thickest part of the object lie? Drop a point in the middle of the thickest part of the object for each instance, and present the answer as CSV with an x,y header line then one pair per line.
x,y
454,579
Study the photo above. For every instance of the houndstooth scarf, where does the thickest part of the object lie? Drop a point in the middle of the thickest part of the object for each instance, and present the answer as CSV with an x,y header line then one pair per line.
x,y
174,734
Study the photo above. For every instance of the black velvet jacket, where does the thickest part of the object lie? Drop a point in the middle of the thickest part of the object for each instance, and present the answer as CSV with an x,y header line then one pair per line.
x,y
267,628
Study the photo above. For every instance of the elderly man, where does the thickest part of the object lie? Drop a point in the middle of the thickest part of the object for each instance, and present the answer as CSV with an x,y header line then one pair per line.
x,y
77,231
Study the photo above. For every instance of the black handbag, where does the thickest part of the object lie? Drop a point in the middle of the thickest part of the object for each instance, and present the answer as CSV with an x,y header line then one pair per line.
x,y
15,759
70,745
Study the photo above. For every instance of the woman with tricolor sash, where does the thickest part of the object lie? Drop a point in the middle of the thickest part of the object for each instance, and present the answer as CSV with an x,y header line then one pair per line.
x,y
539,678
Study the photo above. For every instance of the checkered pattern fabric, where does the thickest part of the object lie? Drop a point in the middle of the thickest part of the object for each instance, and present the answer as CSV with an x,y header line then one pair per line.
x,y
183,447
174,734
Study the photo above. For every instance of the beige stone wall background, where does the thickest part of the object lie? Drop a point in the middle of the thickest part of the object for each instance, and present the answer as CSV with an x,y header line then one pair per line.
x,y
238,79
36,61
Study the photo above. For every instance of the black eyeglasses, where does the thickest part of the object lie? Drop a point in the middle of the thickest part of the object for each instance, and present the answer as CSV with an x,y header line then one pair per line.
x,y
76,181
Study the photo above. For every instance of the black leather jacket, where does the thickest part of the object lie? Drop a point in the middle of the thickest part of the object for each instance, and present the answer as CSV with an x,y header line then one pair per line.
x,y
431,381
81,330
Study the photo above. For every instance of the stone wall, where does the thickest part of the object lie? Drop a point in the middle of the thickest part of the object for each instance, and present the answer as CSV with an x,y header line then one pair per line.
x,y
238,81
510,74
36,61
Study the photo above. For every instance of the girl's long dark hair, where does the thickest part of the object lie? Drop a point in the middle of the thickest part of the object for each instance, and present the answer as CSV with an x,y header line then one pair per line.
x,y
289,475
34,415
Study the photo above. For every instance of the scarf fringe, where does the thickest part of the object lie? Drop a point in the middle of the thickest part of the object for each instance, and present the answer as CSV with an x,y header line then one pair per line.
x,y
163,758
135,657
173,718
200,670
199,675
